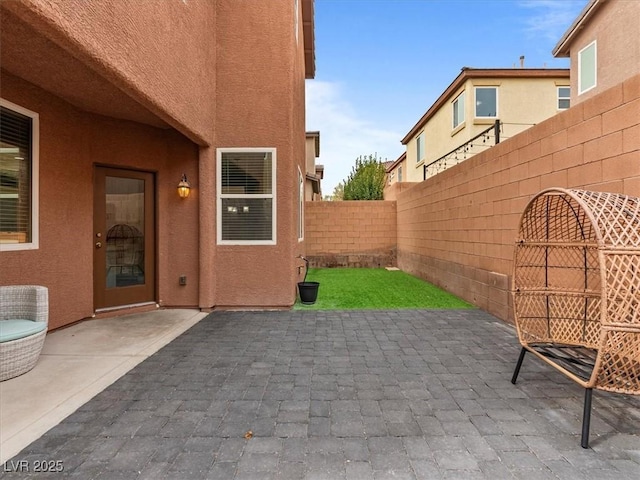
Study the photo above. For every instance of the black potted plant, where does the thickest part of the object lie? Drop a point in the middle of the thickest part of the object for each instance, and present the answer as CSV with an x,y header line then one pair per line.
x,y
308,290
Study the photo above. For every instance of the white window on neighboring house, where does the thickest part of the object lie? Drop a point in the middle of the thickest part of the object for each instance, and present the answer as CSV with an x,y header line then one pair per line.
x,y
246,196
420,148
564,98
587,68
458,110
19,145
300,205
399,174
486,102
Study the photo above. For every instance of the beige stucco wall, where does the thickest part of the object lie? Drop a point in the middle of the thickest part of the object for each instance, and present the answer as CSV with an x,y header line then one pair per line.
x,y
615,28
310,166
310,152
522,102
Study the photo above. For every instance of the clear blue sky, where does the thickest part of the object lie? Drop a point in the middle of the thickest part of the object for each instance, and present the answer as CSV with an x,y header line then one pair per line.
x,y
380,64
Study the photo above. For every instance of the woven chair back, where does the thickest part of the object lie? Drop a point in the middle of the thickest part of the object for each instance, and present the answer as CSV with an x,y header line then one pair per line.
x,y
576,279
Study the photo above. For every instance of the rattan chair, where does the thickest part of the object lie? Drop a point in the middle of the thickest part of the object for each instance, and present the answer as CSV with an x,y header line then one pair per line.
x,y
22,302
576,289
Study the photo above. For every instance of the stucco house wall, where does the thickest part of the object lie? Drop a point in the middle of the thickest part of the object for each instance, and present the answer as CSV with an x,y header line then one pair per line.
x,y
613,24
250,52
64,260
159,87
139,48
525,97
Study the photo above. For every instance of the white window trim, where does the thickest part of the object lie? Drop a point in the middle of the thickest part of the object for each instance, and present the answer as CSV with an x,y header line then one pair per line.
x,y
595,68
475,101
558,98
420,135
35,180
301,200
453,109
220,196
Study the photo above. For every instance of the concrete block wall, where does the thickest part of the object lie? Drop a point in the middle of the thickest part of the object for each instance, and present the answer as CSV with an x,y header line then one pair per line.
x,y
351,233
457,229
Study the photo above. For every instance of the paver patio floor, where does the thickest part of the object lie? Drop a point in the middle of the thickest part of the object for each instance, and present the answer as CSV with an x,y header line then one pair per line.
x,y
405,394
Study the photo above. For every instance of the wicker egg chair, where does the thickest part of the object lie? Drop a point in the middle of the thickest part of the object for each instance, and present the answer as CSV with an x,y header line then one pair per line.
x,y
576,289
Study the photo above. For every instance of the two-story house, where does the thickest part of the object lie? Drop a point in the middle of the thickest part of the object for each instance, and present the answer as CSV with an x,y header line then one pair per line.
x,y
603,43
480,107
314,171
150,152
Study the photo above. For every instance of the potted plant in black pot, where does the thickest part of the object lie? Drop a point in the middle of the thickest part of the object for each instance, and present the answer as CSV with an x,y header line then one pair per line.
x,y
308,290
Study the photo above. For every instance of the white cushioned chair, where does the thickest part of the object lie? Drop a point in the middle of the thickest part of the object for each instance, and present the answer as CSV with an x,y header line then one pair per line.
x,y
24,316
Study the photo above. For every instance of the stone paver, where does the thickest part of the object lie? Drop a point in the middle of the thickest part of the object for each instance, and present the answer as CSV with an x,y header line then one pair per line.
x,y
415,394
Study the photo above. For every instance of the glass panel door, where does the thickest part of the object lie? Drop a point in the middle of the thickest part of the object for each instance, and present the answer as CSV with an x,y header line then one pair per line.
x,y
124,257
125,231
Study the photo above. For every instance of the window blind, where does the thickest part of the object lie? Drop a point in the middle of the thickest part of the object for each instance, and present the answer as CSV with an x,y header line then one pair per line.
x,y
246,196
15,176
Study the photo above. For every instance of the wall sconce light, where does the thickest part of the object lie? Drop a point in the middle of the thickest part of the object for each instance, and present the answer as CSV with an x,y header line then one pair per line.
x,y
184,187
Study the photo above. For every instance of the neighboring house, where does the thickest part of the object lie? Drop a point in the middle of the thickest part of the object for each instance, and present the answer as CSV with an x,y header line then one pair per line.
x,y
396,170
478,98
604,46
314,172
108,106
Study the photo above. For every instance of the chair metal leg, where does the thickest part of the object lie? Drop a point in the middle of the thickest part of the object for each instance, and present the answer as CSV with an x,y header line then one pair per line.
x,y
586,418
518,365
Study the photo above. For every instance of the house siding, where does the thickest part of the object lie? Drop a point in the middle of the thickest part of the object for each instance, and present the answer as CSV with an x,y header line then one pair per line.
x,y
614,26
158,87
71,143
523,101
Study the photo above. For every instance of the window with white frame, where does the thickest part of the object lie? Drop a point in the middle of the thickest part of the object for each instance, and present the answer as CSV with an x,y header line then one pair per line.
x,y
300,205
458,110
564,98
246,196
420,148
19,138
587,67
486,102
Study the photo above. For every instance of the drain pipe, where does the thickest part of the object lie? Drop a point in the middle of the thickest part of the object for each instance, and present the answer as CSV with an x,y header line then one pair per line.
x,y
306,267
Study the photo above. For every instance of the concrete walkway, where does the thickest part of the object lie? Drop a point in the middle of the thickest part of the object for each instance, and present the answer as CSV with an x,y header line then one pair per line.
x,y
77,363
341,395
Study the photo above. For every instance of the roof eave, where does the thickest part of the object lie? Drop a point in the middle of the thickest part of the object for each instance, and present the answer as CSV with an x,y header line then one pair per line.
x,y
562,47
400,159
308,28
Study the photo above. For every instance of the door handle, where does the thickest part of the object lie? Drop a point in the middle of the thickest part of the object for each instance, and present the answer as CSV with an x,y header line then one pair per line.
x,y
98,244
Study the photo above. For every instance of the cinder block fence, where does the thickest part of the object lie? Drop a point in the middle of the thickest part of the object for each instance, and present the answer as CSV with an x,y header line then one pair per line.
x,y
458,228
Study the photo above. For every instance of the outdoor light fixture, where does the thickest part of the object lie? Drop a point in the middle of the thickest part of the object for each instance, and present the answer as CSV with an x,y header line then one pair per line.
x,y
184,187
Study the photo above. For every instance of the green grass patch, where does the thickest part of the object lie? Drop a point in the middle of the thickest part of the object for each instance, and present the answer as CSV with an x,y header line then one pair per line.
x,y
375,288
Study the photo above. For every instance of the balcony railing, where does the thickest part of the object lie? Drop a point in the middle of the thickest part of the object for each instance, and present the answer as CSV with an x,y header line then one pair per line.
x,y
485,139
